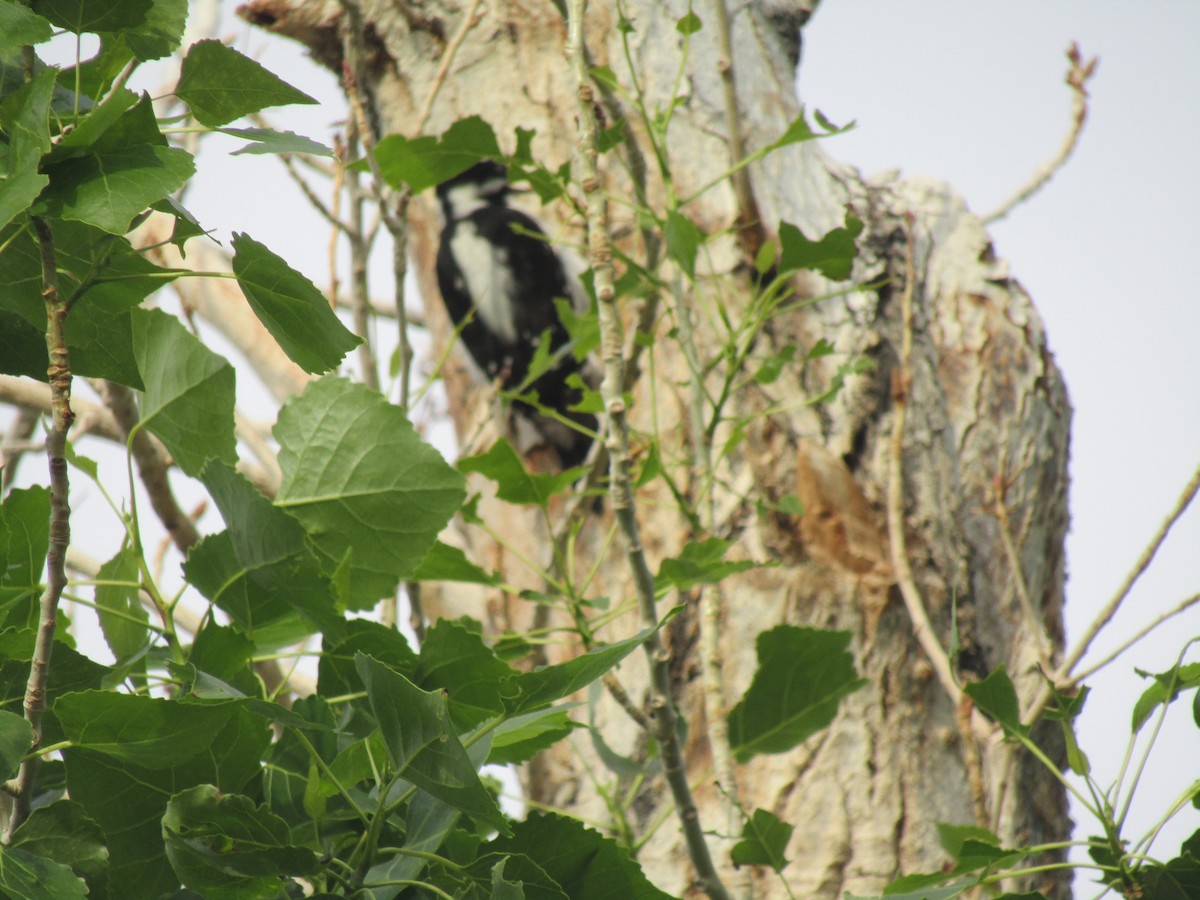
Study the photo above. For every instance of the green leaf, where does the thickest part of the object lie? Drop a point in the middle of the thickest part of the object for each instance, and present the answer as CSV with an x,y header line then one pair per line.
x,y
219,85
63,833
772,367
24,541
1167,687
90,16
20,25
446,563
291,307
95,269
689,23
22,348
533,690
337,673
832,255
261,570
425,161
24,119
764,842
16,737
701,562
17,194
423,743
71,670
502,889
954,837
189,395
803,675
519,738
160,33
268,140
800,131
586,864
683,241
33,877
516,484
363,484
128,800
108,189
455,659
123,619
225,846
145,731
996,696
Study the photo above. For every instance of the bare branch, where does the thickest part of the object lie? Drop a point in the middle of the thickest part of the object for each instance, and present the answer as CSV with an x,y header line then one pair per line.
x,y
1078,75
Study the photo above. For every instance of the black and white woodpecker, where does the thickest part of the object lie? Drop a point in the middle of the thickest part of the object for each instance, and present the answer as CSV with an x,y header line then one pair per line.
x,y
496,262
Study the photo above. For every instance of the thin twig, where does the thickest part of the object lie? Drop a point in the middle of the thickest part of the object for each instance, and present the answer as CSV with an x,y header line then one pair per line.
x,y
750,233
1033,623
1078,75
59,372
620,481
1183,605
901,386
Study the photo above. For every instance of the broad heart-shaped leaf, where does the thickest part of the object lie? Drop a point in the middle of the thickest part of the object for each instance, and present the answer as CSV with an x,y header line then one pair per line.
x,y
764,841
260,570
997,697
16,737
423,743
108,189
515,483
701,562
532,690
189,392
225,845
363,484
455,659
336,671
586,864
19,26
803,674
24,541
219,85
145,731
71,670
290,306
63,832
90,16
832,255
422,162
33,877
128,800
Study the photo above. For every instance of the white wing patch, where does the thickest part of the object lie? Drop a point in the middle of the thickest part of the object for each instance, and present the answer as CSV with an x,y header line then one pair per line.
x,y
488,280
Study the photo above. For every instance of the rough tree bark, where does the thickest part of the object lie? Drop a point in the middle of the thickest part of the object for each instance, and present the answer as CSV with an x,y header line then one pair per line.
x,y
987,425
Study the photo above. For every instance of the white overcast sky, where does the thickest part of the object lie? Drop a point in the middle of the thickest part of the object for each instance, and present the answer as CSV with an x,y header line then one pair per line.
x,y
971,91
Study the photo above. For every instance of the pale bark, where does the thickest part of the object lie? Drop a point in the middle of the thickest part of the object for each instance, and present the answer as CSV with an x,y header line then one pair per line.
x,y
987,418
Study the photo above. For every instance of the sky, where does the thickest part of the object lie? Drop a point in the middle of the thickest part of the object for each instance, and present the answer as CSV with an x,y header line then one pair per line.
x,y
971,91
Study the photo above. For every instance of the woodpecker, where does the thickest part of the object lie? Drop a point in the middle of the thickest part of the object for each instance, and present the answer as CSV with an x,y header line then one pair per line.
x,y
496,262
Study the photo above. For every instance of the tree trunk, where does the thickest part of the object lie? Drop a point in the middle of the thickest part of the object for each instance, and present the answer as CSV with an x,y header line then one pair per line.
x,y
983,458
